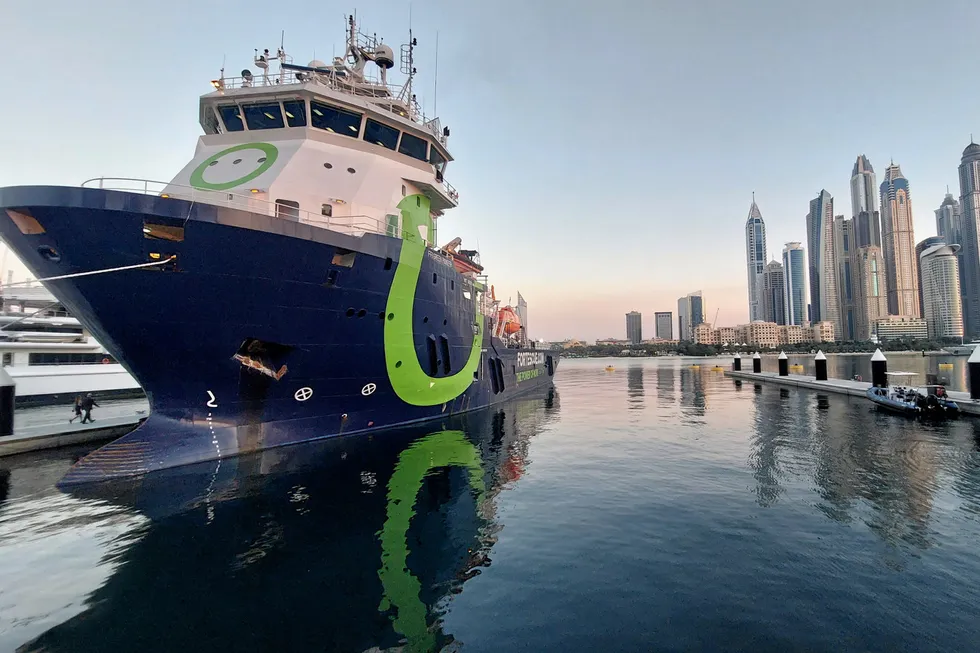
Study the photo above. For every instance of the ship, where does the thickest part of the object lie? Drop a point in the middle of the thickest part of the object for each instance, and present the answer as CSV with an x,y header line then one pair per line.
x,y
286,285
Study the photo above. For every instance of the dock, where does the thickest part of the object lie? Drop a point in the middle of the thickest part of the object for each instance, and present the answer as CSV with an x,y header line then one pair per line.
x,y
47,427
841,387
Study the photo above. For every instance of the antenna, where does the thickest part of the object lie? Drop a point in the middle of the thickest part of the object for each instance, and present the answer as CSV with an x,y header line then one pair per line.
x,y
435,84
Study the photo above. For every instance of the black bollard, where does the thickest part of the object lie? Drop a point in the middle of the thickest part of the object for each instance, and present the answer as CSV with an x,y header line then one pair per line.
x,y
973,374
757,363
879,370
6,403
820,363
737,363
783,364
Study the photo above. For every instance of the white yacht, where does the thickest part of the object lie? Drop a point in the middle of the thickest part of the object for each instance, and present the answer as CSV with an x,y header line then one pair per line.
x,y
50,356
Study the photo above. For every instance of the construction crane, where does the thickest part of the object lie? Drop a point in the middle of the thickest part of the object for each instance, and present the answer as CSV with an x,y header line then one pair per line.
x,y
714,323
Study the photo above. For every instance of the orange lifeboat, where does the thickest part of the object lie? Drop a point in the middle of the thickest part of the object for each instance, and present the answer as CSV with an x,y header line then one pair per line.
x,y
507,317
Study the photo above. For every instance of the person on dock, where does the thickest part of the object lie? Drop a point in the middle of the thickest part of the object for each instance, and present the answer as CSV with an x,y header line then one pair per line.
x,y
87,404
77,409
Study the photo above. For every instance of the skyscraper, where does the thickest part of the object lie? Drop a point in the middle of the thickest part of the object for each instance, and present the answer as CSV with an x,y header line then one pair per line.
x,y
970,217
929,242
864,205
794,283
949,220
824,296
774,293
634,327
755,258
869,294
690,313
941,290
898,244
844,246
664,323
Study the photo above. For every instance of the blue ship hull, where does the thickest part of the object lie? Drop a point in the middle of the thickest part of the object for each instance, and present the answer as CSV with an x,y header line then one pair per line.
x,y
262,332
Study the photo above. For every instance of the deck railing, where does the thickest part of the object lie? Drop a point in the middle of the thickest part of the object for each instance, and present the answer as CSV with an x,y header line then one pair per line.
x,y
355,225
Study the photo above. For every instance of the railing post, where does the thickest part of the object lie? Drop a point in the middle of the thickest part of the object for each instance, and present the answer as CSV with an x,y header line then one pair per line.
x,y
737,363
757,363
783,364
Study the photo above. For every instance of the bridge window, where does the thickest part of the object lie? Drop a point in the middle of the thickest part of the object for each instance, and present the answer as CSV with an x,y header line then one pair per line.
x,y
295,113
263,116
232,118
380,134
413,146
437,159
335,121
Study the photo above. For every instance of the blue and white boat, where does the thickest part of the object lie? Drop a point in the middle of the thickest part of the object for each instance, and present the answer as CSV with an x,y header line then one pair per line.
x,y
916,401
286,285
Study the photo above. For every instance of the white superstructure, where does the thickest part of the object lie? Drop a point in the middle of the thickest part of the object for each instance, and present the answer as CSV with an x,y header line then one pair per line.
x,y
324,144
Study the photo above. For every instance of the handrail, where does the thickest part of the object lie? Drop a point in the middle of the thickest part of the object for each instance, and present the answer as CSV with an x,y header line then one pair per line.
x,y
350,224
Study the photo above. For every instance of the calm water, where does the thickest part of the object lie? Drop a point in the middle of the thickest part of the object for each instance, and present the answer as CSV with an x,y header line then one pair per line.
x,y
655,507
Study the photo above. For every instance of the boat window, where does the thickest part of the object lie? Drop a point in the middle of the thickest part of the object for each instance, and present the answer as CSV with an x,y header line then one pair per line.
x,y
380,134
211,124
335,121
232,118
263,116
287,209
413,146
7,359
437,159
327,210
295,113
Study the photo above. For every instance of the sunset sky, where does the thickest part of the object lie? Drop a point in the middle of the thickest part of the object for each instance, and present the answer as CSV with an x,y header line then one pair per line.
x,y
606,153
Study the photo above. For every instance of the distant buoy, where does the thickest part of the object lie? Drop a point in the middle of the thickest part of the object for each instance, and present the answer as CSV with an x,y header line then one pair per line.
x,y
609,368
695,367
717,368
105,361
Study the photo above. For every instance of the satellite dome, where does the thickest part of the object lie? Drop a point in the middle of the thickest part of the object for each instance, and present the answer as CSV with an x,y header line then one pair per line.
x,y
384,57
316,63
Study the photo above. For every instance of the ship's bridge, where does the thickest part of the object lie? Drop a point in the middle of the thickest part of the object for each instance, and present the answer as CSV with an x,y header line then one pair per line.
x,y
321,144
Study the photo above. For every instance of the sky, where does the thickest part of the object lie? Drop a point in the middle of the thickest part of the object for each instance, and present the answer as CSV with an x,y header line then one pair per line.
x,y
605,153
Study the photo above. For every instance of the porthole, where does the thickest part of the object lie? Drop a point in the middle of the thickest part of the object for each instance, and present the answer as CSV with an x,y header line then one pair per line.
x,y
425,320
351,170
381,315
261,159
213,163
49,253
391,316
361,313
350,312
236,162
445,322
404,190
398,363
327,165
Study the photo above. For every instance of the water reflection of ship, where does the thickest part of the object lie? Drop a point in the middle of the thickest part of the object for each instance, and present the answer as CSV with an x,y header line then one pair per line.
x,y
692,391
345,544
666,385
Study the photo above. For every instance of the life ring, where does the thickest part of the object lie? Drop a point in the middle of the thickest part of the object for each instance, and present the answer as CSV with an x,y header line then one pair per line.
x,y
105,361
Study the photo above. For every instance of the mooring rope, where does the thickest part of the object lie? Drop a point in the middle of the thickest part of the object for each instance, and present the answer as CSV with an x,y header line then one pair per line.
x,y
89,273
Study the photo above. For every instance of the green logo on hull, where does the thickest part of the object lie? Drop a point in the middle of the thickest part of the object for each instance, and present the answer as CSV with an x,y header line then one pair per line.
x,y
409,380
